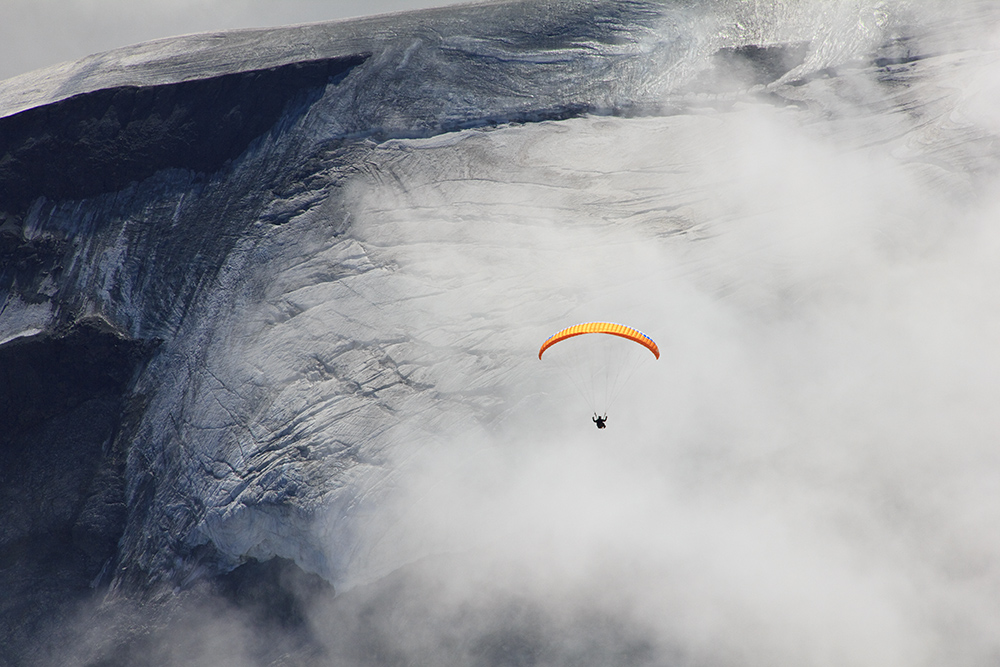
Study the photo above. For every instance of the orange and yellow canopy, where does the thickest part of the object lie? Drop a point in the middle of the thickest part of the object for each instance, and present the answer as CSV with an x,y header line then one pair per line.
x,y
604,328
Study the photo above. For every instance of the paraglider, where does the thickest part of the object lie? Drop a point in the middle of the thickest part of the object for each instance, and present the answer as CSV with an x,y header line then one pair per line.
x,y
601,367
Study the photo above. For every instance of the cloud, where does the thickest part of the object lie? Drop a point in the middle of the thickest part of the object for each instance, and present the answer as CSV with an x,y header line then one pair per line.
x,y
808,474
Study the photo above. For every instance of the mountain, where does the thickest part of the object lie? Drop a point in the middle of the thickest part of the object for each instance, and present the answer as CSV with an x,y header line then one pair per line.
x,y
271,303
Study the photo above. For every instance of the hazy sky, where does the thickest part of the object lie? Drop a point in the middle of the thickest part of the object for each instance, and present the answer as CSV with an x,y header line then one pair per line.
x,y
39,33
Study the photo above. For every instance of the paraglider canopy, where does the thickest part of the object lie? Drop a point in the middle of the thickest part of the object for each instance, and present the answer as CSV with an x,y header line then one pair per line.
x,y
605,328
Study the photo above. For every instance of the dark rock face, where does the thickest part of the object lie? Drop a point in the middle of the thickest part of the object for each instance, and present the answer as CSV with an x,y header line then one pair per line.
x,y
276,591
29,263
63,405
756,65
101,141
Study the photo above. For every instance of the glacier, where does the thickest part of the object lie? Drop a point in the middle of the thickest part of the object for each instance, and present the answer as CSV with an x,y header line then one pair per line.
x,y
271,302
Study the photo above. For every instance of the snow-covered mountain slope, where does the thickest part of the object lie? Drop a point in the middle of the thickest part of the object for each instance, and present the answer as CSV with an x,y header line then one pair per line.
x,y
294,282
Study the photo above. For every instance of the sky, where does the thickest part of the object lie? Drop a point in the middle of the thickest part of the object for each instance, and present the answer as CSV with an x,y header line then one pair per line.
x,y
39,33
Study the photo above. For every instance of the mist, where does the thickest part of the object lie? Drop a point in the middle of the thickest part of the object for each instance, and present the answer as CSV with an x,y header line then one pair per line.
x,y
808,475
